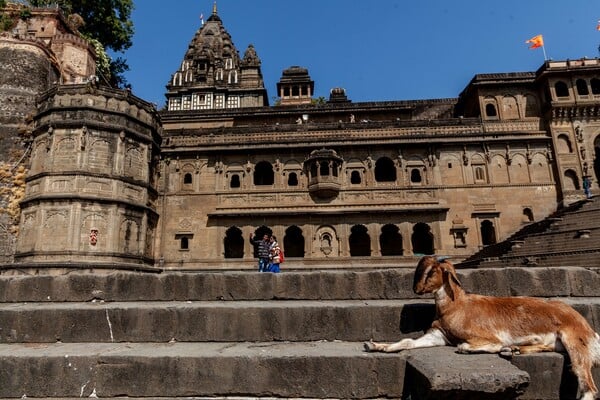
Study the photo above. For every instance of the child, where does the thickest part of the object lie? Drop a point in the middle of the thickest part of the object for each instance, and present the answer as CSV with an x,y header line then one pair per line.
x,y
276,258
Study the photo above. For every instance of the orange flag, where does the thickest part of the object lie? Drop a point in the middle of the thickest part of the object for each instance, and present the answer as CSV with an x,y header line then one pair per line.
x,y
536,41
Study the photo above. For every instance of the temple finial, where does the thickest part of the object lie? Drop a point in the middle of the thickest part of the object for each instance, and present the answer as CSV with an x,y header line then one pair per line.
x,y
214,8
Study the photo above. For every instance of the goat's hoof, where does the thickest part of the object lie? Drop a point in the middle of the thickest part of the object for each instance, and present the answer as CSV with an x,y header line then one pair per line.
x,y
369,346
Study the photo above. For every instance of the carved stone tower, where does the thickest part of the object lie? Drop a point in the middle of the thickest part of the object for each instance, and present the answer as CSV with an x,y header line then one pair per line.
x,y
90,195
213,76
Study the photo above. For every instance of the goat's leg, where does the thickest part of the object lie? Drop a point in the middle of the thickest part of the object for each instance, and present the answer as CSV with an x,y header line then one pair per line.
x,y
483,346
580,350
433,338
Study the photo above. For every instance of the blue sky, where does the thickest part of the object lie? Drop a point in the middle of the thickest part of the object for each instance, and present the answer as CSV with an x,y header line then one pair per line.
x,y
375,49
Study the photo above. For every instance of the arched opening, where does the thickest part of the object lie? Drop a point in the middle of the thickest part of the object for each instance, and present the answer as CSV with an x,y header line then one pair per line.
x,y
415,176
390,241
582,88
263,174
571,180
561,88
258,235
422,239
324,168
385,170
597,161
360,242
235,181
595,84
490,110
355,178
563,144
293,179
293,242
488,233
233,243
527,215
187,179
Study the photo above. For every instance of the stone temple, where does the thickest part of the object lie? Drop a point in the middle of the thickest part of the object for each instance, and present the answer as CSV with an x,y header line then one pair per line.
x,y
108,181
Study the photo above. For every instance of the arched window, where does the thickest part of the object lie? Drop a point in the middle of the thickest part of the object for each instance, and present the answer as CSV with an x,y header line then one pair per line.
x,y
488,233
479,172
490,110
293,242
235,181
561,88
263,174
355,178
390,241
595,83
415,176
360,242
385,170
233,243
563,144
582,88
324,168
187,179
422,239
527,215
292,179
571,180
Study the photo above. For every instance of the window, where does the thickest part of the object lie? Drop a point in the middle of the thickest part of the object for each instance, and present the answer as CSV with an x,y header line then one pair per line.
x,y
219,101
595,83
490,110
415,176
292,179
198,100
359,241
488,233
186,102
263,174
479,172
175,104
184,240
324,168
233,102
187,179
561,89
582,88
355,178
235,181
385,170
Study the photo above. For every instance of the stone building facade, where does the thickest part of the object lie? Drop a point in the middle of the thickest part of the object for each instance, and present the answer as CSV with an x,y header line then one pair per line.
x,y
341,184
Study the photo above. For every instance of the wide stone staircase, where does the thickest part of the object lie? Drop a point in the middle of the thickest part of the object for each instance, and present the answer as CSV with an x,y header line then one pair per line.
x,y
236,334
570,237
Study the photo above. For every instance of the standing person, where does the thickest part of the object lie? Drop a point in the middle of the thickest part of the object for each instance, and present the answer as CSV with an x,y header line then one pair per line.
x,y
263,250
272,244
275,258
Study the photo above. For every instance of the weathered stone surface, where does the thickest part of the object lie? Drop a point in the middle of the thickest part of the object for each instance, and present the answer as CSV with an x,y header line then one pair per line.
x,y
440,373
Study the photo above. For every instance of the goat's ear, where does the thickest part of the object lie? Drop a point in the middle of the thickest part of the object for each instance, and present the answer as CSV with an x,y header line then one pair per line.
x,y
450,277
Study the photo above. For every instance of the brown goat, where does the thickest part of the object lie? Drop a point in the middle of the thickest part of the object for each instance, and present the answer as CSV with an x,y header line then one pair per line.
x,y
485,324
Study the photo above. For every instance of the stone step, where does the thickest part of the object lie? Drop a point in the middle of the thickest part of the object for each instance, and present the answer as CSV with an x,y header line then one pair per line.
x,y
252,321
300,285
239,321
318,370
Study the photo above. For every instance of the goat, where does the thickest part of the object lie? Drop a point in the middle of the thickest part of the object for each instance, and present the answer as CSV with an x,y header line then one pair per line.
x,y
486,324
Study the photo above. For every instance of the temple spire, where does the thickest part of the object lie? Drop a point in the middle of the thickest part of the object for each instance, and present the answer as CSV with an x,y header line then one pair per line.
x,y
214,12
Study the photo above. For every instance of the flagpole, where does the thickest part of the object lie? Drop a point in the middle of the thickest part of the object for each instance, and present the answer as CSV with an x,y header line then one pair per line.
x,y
544,50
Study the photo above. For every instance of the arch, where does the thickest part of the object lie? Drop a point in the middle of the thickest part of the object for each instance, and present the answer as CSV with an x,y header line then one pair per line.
x,y
326,242
595,84
498,170
324,168
100,157
597,160
528,215
65,156
451,170
292,179
490,110
390,241
488,232
133,163
187,178
540,171
510,109
518,169
563,144
571,180
355,178
422,239
582,88
561,89
385,170
415,176
531,106
233,243
263,174
259,233
234,181
359,241
293,242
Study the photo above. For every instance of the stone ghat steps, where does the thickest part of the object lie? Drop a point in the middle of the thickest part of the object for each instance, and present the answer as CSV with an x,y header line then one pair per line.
x,y
308,285
247,321
240,321
319,370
